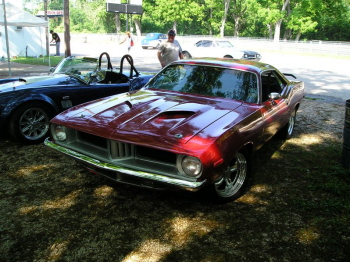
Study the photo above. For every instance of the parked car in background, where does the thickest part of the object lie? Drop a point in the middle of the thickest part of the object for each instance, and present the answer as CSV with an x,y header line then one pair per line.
x,y
195,124
27,104
218,49
153,40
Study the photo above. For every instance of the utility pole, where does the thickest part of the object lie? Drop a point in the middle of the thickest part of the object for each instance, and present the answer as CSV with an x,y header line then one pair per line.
x,y
46,32
7,39
66,28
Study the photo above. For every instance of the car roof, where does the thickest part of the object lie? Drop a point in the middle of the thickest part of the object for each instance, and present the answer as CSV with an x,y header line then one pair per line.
x,y
253,66
154,34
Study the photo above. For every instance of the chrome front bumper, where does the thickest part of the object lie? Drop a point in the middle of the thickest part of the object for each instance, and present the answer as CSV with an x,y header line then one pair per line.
x,y
187,185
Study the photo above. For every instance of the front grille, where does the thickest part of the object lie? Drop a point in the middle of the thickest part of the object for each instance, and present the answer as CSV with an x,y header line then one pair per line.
x,y
156,155
251,56
121,150
91,139
124,151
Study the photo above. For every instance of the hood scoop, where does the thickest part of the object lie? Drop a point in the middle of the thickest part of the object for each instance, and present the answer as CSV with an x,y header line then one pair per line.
x,y
171,118
179,121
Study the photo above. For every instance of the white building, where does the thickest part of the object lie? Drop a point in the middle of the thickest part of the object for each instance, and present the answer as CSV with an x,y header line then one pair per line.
x,y
26,33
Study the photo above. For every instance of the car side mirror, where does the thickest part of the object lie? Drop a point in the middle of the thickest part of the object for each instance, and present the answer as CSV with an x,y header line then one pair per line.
x,y
52,69
274,96
135,84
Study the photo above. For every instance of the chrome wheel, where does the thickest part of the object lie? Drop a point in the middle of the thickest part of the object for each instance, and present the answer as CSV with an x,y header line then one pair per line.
x,y
287,131
291,124
234,178
34,123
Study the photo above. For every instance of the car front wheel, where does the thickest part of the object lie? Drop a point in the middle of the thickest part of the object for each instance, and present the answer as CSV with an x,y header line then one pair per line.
x,y
235,178
30,123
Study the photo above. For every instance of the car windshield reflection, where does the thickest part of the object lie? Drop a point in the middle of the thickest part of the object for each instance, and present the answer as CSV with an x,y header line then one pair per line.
x,y
80,68
224,44
208,81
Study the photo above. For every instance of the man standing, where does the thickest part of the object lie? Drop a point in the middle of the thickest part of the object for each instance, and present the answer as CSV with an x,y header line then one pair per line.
x,y
57,40
169,50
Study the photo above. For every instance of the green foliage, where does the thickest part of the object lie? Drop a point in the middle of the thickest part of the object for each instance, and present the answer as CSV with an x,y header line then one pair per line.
x,y
54,60
309,19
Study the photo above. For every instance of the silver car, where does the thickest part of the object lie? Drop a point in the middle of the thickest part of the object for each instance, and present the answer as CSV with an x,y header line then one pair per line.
x,y
219,49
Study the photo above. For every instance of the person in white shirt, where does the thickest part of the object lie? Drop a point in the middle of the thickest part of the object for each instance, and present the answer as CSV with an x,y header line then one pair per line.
x,y
128,40
169,50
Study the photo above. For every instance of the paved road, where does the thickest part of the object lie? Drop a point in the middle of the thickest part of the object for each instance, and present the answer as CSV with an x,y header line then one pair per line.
x,y
323,76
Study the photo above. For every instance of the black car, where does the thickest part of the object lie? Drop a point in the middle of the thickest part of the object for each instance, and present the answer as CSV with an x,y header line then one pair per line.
x,y
28,104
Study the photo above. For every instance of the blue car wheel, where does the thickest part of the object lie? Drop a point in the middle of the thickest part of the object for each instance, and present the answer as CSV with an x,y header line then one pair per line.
x,y
30,123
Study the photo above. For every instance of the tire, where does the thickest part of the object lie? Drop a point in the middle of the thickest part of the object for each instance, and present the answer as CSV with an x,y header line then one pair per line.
x,y
287,131
186,55
145,47
30,123
228,56
234,180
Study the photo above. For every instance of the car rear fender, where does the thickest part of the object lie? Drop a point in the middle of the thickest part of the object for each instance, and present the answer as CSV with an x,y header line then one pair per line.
x,y
236,54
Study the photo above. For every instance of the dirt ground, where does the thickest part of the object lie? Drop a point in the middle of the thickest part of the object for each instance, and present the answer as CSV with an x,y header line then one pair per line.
x,y
53,210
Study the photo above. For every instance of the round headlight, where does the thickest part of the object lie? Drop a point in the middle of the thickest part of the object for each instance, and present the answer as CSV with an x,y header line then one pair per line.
x,y
190,166
60,133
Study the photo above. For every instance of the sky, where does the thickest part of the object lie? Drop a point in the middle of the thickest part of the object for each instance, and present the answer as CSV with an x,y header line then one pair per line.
x,y
18,3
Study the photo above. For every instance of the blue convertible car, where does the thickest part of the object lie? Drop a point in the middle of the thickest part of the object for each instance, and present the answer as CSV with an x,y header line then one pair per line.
x,y
28,104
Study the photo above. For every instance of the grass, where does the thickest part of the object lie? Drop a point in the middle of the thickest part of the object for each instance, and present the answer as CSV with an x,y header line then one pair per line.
x,y
296,207
54,60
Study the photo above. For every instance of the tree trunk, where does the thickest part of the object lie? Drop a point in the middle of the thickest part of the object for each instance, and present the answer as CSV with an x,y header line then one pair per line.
x,y
277,31
211,17
298,36
66,28
287,34
238,13
223,21
237,25
118,25
279,22
174,26
270,31
137,23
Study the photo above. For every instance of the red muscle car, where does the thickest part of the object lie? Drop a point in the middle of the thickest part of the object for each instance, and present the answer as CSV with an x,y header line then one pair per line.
x,y
196,123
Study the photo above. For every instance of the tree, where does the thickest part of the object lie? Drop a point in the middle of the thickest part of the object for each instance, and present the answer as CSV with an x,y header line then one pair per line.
x,y
279,21
308,19
175,11
67,28
239,8
224,17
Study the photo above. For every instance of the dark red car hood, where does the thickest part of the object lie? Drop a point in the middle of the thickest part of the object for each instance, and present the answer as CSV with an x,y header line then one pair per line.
x,y
155,117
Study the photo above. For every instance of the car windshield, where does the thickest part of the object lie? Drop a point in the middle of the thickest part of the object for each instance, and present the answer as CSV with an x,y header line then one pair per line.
x,y
224,44
80,68
152,36
207,80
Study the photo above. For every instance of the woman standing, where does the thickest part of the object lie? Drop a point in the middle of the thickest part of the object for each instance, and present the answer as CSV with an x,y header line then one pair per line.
x,y
128,40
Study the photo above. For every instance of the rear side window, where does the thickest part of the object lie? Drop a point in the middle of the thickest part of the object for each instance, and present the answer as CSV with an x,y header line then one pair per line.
x,y
209,81
271,82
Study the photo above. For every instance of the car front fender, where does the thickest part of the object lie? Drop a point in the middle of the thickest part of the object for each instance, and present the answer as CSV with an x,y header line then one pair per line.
x,y
24,98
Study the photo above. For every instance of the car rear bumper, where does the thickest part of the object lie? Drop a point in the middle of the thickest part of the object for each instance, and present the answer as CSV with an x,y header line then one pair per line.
x,y
127,175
